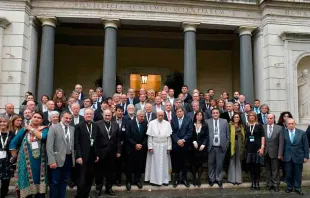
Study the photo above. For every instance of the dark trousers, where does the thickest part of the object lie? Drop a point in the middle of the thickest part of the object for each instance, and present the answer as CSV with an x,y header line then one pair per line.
x,y
119,167
254,169
135,165
216,158
86,176
293,175
105,168
180,159
5,187
272,170
36,196
59,179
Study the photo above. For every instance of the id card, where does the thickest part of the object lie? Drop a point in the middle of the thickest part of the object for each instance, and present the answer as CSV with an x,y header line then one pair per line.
x,y
91,142
2,154
123,129
34,145
252,138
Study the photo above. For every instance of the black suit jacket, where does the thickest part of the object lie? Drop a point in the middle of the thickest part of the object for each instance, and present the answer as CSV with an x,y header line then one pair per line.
x,y
225,116
135,101
202,138
188,99
185,132
98,115
173,115
260,119
134,137
108,147
82,142
81,119
153,117
187,107
46,122
122,128
308,134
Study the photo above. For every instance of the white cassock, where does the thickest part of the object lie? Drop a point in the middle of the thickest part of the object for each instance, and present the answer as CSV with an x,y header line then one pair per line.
x,y
158,164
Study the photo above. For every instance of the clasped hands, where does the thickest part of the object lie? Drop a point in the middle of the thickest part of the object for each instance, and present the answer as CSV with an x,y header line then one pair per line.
x,y
196,146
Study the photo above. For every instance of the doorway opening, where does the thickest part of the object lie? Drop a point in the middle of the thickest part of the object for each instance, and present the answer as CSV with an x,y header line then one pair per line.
x,y
146,81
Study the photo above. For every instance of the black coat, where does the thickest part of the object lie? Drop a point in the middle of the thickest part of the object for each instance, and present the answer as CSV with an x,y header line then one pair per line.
x,y
108,147
46,122
135,137
202,139
81,119
188,99
98,115
122,129
82,142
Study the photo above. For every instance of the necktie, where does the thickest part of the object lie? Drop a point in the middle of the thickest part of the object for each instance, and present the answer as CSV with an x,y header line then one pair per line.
x,y
292,136
28,122
215,128
180,123
148,116
94,107
139,127
169,116
242,108
67,140
264,118
270,132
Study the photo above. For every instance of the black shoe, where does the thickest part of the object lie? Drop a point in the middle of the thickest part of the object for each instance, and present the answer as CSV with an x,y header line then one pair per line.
x,y
194,182
139,185
211,183
128,186
185,183
198,182
176,183
166,184
257,186
110,191
269,187
276,189
220,184
299,192
288,190
253,186
98,192
118,183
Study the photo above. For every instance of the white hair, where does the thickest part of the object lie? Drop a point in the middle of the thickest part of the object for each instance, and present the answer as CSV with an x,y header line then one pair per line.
x,y
52,113
140,112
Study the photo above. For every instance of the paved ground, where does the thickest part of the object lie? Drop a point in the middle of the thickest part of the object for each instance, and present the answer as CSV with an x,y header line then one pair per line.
x,y
213,193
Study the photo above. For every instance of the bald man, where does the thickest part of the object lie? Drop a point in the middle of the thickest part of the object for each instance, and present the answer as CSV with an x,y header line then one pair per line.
x,y
9,111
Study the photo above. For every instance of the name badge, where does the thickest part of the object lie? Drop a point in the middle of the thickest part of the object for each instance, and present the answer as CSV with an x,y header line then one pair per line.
x,y
91,142
123,129
2,154
216,139
34,145
252,138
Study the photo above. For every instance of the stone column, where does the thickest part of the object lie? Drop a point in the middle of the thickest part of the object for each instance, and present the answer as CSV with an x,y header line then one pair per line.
x,y
34,38
109,59
190,74
246,63
3,24
46,70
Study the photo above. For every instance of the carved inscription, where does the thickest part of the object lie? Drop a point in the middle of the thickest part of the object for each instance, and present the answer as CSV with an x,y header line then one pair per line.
x,y
290,12
150,8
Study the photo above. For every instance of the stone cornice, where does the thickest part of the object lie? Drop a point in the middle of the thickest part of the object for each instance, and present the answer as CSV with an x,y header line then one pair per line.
x,y
296,35
50,21
4,22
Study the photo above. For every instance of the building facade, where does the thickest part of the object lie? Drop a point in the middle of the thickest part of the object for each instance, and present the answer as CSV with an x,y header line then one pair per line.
x,y
259,47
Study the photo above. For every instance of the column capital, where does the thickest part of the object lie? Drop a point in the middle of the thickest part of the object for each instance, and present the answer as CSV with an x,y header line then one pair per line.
x,y
50,21
114,23
244,30
4,22
190,26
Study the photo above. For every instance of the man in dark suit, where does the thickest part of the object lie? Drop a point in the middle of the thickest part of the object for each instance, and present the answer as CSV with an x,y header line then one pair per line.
x,y
94,101
178,104
76,117
217,147
262,116
131,98
244,115
136,148
149,115
273,152
182,129
195,108
108,146
85,139
236,97
169,114
229,113
123,103
78,88
308,134
119,162
50,107
75,95
187,97
296,152
98,113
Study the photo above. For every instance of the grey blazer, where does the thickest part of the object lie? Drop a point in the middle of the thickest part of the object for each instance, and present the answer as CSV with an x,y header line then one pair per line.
x,y
224,133
138,107
56,145
154,108
274,147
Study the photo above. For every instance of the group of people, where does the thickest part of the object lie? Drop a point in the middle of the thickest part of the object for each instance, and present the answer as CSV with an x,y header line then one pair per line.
x,y
79,139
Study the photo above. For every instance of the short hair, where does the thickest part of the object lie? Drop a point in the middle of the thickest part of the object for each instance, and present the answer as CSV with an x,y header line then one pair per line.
x,y
256,100
167,103
265,105
159,111
52,113
99,89
194,102
215,109
140,112
74,104
119,108
180,108
86,109
29,93
104,101
229,103
74,92
48,98
65,112
210,90
185,86
130,105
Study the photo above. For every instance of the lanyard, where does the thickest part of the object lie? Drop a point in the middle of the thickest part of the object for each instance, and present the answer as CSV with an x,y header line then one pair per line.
x,y
252,129
5,142
90,131
108,130
148,118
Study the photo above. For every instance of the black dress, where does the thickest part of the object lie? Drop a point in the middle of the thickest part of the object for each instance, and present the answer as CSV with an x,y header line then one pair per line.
x,y
6,168
202,138
253,145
